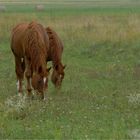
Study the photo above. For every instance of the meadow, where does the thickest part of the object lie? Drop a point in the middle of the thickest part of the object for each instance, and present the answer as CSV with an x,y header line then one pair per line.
x,y
100,95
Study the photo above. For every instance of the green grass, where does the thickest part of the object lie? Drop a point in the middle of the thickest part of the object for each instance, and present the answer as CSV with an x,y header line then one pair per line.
x,y
100,94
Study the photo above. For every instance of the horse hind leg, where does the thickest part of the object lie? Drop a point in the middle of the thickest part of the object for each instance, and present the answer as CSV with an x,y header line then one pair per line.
x,y
20,68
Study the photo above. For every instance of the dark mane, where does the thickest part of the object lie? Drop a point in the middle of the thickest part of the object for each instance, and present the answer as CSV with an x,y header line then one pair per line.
x,y
35,47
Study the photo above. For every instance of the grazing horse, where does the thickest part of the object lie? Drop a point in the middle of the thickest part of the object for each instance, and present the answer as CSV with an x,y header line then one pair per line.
x,y
30,45
54,55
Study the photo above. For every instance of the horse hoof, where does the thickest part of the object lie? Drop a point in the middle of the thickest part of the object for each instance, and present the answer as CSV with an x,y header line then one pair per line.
x,y
45,99
20,94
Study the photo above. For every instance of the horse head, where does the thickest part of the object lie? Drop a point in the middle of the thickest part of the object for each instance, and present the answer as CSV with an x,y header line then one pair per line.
x,y
58,75
40,81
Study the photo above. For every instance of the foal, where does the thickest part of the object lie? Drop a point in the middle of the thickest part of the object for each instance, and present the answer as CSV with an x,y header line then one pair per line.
x,y
54,55
30,45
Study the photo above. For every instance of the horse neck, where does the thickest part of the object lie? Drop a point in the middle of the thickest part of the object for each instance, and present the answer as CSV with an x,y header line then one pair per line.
x,y
37,62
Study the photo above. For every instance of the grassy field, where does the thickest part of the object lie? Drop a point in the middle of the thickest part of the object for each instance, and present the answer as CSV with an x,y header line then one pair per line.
x,y
100,96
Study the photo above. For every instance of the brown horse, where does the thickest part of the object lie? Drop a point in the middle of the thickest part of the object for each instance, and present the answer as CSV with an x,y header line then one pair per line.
x,y
54,55
30,45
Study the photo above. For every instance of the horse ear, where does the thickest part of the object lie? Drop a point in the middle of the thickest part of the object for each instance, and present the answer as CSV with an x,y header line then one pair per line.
x,y
64,66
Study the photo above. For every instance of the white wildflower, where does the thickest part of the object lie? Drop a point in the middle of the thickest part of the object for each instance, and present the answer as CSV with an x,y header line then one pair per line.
x,y
134,98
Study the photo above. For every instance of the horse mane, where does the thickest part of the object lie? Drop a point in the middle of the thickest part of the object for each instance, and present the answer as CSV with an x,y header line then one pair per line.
x,y
56,45
35,47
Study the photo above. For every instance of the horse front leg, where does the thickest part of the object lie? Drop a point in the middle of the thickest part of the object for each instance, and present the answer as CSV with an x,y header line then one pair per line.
x,y
28,75
19,68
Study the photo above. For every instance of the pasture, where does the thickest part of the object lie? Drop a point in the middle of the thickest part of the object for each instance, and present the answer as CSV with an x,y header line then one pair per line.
x,y
100,95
